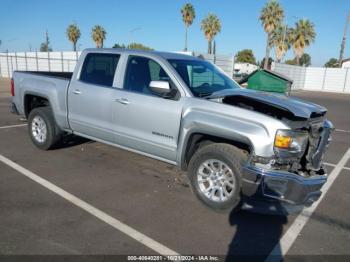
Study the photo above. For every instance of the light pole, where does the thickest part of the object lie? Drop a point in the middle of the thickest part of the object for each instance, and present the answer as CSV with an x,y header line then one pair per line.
x,y
343,42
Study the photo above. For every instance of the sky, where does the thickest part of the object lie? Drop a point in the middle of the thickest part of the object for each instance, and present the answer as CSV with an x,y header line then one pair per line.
x,y
158,24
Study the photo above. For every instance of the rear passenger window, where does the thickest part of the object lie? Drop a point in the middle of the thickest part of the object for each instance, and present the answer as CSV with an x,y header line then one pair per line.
x,y
99,69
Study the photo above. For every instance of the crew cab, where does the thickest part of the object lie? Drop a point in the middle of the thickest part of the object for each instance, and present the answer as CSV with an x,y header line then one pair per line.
x,y
240,148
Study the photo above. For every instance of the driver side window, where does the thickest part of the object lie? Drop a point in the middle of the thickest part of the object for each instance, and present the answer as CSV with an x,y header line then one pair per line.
x,y
140,72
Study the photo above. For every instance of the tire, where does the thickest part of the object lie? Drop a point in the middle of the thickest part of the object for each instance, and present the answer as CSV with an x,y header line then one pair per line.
x,y
42,128
221,165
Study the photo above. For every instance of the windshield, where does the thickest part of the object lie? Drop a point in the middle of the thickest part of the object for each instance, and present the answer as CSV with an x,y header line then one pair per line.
x,y
202,77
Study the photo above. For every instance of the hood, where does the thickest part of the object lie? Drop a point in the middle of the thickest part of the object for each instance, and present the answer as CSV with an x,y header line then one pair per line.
x,y
263,102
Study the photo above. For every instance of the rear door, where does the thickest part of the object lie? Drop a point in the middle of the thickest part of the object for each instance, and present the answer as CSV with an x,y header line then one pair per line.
x,y
90,97
147,122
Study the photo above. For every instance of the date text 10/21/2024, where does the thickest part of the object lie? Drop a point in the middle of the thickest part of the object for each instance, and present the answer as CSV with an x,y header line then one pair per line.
x,y
173,258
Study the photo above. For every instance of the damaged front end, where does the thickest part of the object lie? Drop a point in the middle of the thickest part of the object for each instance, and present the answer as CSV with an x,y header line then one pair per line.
x,y
289,183
293,177
305,157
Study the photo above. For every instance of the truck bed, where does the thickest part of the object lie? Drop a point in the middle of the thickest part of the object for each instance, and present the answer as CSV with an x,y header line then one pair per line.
x,y
65,75
52,86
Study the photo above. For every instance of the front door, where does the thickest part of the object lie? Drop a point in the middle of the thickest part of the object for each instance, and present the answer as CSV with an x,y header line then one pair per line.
x,y
147,122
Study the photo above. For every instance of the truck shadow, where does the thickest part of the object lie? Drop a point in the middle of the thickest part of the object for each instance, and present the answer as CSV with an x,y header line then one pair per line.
x,y
70,140
256,235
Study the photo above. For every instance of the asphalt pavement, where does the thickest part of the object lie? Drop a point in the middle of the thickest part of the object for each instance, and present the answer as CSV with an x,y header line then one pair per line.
x,y
150,197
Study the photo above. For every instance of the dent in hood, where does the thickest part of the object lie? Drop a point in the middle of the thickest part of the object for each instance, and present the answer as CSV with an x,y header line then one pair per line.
x,y
269,103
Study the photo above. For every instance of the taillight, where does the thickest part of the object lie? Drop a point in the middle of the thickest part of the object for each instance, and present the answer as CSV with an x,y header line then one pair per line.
x,y
12,87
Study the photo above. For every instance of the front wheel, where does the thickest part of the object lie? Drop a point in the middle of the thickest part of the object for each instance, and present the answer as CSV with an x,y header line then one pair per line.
x,y
215,175
42,128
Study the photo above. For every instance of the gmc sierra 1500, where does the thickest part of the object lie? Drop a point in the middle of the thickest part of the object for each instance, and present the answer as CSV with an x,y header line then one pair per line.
x,y
238,146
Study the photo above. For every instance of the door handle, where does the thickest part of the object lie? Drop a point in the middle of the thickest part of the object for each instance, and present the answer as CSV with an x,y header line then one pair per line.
x,y
123,101
77,92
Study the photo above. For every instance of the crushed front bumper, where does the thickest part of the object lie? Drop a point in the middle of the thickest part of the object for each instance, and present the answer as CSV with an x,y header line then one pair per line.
x,y
283,191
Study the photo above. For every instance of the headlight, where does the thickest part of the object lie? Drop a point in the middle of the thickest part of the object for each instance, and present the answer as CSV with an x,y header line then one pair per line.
x,y
290,143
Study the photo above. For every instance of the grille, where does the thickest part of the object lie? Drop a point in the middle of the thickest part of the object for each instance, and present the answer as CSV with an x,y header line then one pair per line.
x,y
318,141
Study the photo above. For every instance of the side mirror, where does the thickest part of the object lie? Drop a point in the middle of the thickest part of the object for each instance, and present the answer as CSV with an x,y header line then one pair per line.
x,y
160,87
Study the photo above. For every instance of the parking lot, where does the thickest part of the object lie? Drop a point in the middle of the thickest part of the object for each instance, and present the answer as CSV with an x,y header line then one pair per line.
x,y
87,198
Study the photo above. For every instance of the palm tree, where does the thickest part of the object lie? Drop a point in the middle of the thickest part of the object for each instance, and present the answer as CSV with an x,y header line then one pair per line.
x,y
211,26
98,34
188,15
271,16
280,38
73,34
301,37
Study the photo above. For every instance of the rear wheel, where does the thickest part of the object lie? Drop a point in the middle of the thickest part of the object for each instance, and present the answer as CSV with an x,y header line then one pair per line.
x,y
215,173
43,129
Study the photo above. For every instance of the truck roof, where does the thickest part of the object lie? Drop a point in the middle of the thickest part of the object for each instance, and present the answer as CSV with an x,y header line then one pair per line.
x,y
165,55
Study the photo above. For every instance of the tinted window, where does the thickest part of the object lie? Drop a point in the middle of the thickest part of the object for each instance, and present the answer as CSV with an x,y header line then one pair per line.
x,y
99,69
202,77
140,72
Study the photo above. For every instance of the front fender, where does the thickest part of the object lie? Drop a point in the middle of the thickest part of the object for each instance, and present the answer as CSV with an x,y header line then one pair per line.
x,y
232,123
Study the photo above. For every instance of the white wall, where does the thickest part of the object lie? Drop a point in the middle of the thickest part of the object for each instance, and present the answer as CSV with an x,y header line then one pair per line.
x,y
316,78
305,78
37,61
296,73
65,62
335,79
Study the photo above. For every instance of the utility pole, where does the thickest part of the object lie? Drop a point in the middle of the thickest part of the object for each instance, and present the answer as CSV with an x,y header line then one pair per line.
x,y
47,40
343,42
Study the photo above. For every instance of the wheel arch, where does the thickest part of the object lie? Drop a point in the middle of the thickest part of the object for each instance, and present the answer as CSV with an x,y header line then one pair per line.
x,y
196,140
32,101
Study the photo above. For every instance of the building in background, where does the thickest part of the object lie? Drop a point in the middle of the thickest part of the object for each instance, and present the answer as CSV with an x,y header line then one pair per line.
x,y
346,63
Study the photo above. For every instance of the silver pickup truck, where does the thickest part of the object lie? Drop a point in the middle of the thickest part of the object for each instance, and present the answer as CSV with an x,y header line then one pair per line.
x,y
239,147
